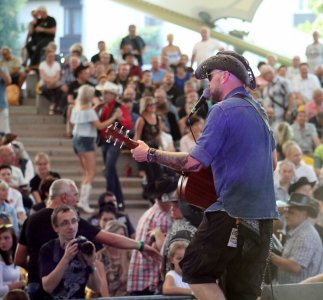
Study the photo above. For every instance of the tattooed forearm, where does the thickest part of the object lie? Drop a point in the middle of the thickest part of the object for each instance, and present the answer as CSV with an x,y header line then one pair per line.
x,y
179,161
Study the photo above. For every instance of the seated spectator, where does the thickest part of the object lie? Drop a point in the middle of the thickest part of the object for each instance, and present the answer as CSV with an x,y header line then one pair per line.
x,y
45,31
66,265
50,84
14,66
134,70
181,76
172,91
76,50
115,263
123,75
319,74
8,157
293,153
173,284
145,86
16,294
107,213
315,106
43,170
157,74
293,70
189,86
10,275
14,198
43,190
304,133
108,199
283,133
302,255
302,186
4,207
188,141
318,123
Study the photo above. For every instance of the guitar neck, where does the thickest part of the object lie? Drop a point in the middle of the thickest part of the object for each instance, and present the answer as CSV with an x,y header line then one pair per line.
x,y
116,135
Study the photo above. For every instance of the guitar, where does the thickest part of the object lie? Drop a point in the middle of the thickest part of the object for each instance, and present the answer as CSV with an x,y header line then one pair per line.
x,y
195,188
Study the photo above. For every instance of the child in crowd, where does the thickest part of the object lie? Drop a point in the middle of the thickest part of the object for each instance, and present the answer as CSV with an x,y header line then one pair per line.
x,y
173,284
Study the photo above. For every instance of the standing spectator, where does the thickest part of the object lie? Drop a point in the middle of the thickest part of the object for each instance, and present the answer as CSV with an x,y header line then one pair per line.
x,y
314,52
45,30
102,48
14,66
66,266
85,124
50,84
5,80
188,141
304,133
43,170
147,129
10,276
133,43
143,276
112,111
302,254
204,48
171,52
277,94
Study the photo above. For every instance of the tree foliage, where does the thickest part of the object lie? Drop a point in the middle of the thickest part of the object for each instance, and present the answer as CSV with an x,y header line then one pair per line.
x,y
9,27
317,8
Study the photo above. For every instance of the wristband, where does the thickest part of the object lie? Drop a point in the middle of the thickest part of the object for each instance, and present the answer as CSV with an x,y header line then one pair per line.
x,y
140,245
151,155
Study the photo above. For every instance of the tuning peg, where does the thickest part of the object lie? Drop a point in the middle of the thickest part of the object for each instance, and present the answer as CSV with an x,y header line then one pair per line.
x,y
127,133
121,145
116,142
115,125
109,140
121,129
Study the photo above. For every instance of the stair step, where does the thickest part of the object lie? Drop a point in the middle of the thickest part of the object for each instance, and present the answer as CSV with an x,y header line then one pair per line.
x,y
25,109
31,118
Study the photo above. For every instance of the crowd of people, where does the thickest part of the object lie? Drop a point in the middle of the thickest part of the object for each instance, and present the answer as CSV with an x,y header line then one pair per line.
x,y
63,253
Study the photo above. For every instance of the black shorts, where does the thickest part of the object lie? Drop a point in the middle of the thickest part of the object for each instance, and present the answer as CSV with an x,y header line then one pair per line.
x,y
240,269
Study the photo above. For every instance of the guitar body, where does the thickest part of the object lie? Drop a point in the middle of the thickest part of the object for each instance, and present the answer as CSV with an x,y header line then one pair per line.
x,y
197,188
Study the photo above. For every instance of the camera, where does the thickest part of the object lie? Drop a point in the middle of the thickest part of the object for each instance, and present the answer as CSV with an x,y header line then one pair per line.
x,y
84,245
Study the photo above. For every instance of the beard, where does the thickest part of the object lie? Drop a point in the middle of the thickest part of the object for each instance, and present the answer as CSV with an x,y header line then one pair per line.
x,y
216,96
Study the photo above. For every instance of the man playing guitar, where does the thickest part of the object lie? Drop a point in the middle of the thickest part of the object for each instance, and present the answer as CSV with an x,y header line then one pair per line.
x,y
227,256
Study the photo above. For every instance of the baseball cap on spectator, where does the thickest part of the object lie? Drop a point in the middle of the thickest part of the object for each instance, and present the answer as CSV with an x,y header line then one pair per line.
x,y
79,69
299,183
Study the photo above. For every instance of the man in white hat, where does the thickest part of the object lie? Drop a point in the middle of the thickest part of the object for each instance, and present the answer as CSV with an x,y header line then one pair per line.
x,y
116,112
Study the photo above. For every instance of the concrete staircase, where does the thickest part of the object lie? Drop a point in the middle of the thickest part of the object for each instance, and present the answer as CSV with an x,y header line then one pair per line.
x,y
47,134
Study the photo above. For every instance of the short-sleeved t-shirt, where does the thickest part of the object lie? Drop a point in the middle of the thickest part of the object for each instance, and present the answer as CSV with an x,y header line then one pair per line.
x,y
37,230
238,146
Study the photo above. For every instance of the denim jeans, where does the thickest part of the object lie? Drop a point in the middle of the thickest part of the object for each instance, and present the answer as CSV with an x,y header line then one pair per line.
x,y
110,155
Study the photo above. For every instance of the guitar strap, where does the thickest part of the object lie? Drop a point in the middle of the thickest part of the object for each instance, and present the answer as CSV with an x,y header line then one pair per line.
x,y
261,114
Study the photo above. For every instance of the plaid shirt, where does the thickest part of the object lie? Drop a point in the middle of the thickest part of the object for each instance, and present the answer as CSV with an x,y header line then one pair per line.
x,y
144,271
303,246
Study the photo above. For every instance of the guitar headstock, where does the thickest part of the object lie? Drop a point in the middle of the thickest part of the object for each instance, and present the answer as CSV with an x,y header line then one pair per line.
x,y
119,136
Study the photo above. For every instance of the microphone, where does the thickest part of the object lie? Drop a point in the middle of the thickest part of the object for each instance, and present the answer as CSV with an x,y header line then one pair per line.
x,y
205,96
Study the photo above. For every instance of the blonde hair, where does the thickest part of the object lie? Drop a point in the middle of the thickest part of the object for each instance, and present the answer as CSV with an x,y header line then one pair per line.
x,y
3,185
41,156
283,132
289,146
178,245
114,225
144,103
85,94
